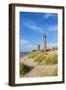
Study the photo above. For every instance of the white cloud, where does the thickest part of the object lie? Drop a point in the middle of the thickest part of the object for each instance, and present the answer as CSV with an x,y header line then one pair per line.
x,y
52,28
26,46
24,41
33,27
47,15
39,28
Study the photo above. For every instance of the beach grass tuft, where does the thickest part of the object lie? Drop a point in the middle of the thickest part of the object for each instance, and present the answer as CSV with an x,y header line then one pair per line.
x,y
33,54
47,59
24,69
55,73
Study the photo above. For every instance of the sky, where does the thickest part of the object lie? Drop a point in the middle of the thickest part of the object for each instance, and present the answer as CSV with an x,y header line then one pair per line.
x,y
32,28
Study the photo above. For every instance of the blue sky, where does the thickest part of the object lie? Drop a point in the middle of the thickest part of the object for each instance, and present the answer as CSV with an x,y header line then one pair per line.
x,y
32,28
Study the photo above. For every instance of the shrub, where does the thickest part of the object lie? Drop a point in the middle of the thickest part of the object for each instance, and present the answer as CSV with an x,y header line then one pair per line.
x,y
24,69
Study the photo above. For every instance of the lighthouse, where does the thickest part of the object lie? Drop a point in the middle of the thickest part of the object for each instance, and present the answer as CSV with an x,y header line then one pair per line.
x,y
38,47
45,47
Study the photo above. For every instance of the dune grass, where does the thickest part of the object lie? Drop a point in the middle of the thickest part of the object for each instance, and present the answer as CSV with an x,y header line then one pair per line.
x,y
24,69
55,73
40,58
51,59
47,59
44,58
33,54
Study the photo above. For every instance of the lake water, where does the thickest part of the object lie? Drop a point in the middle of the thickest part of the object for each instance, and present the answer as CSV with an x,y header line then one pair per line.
x,y
22,54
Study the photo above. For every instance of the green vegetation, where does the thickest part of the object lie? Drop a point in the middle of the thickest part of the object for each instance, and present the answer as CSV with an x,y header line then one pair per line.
x,y
33,54
44,57
55,72
51,59
40,58
24,69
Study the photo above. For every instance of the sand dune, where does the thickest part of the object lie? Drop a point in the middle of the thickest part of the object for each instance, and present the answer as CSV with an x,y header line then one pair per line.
x,y
40,70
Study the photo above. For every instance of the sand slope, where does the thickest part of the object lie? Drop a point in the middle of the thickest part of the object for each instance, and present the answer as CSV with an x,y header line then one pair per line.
x,y
39,70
